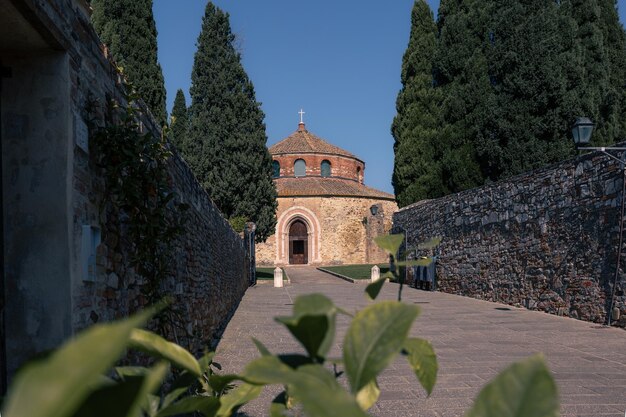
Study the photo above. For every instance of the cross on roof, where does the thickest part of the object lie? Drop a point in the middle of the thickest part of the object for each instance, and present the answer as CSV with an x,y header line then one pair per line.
x,y
301,113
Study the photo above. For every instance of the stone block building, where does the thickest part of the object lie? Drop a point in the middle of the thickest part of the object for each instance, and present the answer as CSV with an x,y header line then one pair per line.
x,y
326,215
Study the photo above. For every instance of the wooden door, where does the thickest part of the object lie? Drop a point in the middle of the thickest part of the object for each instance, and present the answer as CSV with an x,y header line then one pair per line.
x,y
298,243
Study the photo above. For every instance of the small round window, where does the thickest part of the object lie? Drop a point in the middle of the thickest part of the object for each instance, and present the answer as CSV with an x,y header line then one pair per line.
x,y
325,169
275,169
299,168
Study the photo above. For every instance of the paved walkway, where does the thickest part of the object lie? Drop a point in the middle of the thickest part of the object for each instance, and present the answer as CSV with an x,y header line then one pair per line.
x,y
473,340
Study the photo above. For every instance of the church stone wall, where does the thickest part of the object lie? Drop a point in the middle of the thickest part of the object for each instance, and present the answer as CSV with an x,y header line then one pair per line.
x,y
545,240
209,261
346,230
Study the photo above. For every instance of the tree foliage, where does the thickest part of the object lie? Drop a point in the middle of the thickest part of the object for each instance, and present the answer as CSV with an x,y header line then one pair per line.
x,y
179,121
600,56
508,80
460,74
417,172
127,27
225,146
529,54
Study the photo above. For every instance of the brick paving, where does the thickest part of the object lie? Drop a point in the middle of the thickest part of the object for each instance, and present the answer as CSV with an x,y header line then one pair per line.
x,y
473,340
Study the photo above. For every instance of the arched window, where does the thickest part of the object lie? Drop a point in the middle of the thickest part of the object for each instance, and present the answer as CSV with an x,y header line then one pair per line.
x,y
358,174
299,168
275,169
325,169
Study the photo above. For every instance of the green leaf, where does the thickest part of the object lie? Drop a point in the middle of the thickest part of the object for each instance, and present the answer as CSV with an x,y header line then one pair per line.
x,y
99,403
313,332
278,407
308,384
208,406
129,371
314,304
267,370
368,395
373,289
219,382
389,243
184,380
374,337
152,406
155,345
422,358
295,360
57,383
129,395
236,398
152,382
525,389
206,360
173,395
278,410
429,244
313,323
321,395
261,347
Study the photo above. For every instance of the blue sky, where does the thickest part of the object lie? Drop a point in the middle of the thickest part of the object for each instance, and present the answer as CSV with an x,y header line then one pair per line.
x,y
339,60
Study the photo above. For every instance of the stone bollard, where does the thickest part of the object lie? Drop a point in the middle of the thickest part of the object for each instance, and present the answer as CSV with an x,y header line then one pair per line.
x,y
278,277
375,273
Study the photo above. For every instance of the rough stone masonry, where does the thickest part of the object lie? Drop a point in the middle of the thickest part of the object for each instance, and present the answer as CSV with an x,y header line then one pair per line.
x,y
546,240
64,268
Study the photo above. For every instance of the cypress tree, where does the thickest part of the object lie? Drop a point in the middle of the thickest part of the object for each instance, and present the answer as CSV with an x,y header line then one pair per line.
x,y
509,79
613,108
416,173
179,121
226,142
127,27
530,62
462,77
588,78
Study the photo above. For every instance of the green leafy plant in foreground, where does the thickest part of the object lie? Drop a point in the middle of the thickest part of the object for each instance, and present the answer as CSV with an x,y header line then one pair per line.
x,y
73,381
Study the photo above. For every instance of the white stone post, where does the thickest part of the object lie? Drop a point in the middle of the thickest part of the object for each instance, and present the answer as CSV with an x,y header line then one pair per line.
x,y
375,273
278,277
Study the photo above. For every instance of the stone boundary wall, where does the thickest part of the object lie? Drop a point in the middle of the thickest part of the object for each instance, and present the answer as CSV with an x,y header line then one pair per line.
x,y
210,262
546,240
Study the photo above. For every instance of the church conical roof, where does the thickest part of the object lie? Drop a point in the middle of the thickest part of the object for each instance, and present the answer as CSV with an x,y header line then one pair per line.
x,y
303,141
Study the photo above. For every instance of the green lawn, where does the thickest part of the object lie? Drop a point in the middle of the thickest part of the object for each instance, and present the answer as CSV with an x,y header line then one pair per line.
x,y
357,271
267,273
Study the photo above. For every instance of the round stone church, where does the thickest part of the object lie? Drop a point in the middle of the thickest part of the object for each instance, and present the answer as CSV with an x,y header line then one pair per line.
x,y
325,215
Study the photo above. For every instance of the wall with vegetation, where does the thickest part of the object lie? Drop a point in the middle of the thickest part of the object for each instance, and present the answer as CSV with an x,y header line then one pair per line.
x,y
77,281
545,240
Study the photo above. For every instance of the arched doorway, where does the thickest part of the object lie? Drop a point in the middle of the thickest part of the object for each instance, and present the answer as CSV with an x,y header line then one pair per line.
x,y
298,243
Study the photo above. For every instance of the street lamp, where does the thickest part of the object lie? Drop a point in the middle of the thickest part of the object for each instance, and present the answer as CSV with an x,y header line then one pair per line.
x,y
406,250
581,133
374,209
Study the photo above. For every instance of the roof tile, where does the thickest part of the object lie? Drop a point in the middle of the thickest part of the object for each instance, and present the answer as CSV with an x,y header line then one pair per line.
x,y
316,186
303,141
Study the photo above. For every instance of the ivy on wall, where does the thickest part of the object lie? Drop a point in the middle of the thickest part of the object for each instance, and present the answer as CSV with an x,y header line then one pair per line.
x,y
139,206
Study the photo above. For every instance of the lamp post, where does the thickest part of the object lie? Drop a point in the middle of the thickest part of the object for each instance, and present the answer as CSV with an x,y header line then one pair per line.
x,y
251,229
406,250
581,133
